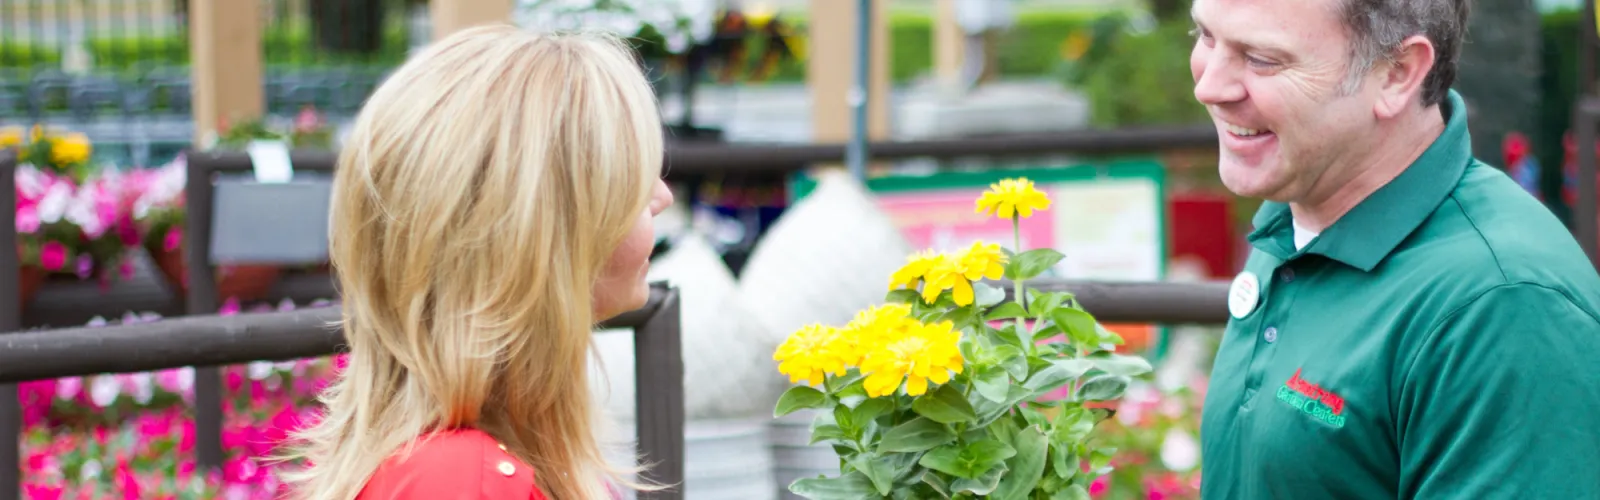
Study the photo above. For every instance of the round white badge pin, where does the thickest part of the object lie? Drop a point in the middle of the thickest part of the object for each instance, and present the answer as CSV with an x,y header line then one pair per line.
x,y
1243,294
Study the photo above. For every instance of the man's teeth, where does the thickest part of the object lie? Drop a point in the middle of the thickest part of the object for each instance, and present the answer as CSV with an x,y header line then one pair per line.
x,y
1245,132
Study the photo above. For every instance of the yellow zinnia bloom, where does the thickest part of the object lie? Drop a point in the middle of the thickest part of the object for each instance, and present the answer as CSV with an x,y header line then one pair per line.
x,y
872,329
927,353
1012,196
810,353
982,260
10,136
948,274
70,149
916,267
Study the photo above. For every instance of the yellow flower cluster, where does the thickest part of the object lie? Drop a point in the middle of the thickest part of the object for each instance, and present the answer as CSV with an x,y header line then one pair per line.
x,y
938,272
1012,197
64,149
885,343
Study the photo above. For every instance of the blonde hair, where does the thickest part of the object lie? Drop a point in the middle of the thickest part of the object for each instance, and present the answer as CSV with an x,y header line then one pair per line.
x,y
478,196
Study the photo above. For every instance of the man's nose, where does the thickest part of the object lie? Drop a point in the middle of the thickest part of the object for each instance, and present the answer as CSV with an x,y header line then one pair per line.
x,y
1217,83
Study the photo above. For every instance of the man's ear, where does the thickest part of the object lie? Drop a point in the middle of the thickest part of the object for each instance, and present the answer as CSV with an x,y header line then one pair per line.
x,y
1400,78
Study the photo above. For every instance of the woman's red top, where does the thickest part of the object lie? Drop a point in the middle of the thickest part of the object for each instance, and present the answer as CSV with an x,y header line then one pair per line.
x,y
462,464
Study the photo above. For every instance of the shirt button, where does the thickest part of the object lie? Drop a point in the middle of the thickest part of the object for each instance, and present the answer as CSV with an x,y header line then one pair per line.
x,y
1287,275
507,469
1271,335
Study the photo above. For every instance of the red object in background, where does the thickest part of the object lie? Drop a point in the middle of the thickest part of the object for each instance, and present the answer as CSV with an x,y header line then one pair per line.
x,y
1200,229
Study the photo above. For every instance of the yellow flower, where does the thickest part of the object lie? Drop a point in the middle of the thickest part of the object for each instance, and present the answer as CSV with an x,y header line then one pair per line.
x,y
926,353
10,136
916,267
810,353
1012,196
983,260
69,149
872,329
948,274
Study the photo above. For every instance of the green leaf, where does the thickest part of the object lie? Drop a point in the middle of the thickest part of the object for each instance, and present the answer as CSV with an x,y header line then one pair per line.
x,y
1072,425
936,482
1101,458
1077,323
797,398
1026,467
1074,492
919,434
852,486
852,396
1117,364
1043,303
962,317
879,471
1007,310
987,453
1064,461
1108,336
1103,388
945,405
871,409
984,295
1013,360
946,459
827,432
1030,264
992,383
984,484
850,378
903,296
1056,375
988,410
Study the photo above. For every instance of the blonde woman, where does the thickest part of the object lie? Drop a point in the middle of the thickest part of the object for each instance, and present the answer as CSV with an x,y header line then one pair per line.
x,y
493,203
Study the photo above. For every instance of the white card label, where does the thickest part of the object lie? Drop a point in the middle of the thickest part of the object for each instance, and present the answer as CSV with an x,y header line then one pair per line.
x,y
271,161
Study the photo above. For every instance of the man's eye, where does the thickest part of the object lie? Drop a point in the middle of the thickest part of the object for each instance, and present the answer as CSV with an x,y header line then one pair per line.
x,y
1258,62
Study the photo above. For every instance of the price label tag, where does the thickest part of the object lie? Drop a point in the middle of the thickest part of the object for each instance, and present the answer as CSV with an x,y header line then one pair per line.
x,y
271,161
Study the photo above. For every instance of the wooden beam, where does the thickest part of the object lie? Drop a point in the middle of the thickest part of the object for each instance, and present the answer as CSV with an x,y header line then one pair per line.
x,y
450,16
225,64
830,70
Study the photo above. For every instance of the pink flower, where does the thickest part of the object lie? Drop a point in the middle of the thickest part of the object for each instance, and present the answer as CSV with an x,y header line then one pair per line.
x,y
35,398
172,240
230,307
67,389
42,492
28,218
126,481
1099,486
53,255
85,265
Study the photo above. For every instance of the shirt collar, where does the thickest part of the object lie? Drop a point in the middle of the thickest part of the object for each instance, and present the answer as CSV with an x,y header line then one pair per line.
x,y
1371,230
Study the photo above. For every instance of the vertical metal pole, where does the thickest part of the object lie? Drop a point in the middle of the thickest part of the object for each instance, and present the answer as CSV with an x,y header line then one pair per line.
x,y
10,321
856,154
658,394
1583,215
201,298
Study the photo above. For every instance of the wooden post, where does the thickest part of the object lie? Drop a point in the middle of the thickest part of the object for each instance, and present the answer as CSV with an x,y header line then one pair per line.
x,y
450,16
830,70
949,45
225,54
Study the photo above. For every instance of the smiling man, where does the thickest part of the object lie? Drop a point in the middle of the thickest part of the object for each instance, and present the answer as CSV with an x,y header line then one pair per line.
x,y
1410,323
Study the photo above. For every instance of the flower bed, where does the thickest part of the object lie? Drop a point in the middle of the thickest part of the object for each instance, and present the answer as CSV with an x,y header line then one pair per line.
x,y
126,436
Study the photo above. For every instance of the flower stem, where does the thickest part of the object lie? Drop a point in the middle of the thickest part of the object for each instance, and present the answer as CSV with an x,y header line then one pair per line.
x,y
1016,284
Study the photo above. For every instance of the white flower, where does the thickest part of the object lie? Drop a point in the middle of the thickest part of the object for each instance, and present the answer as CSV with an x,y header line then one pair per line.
x,y
260,370
1179,452
54,203
82,210
104,390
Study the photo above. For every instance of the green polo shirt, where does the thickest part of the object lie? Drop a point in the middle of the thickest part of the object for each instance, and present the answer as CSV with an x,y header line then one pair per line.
x,y
1441,340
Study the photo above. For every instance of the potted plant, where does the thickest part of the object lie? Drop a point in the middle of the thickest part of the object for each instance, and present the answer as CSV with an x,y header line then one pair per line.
x,y
949,389
160,208
71,220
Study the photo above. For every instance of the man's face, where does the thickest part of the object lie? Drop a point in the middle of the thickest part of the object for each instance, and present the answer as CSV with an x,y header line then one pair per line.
x,y
1270,73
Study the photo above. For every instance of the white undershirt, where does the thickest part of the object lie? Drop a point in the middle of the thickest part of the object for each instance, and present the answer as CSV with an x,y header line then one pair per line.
x,y
1302,236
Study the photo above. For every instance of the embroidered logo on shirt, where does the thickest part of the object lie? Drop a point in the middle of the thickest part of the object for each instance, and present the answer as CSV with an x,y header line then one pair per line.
x,y
1312,399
